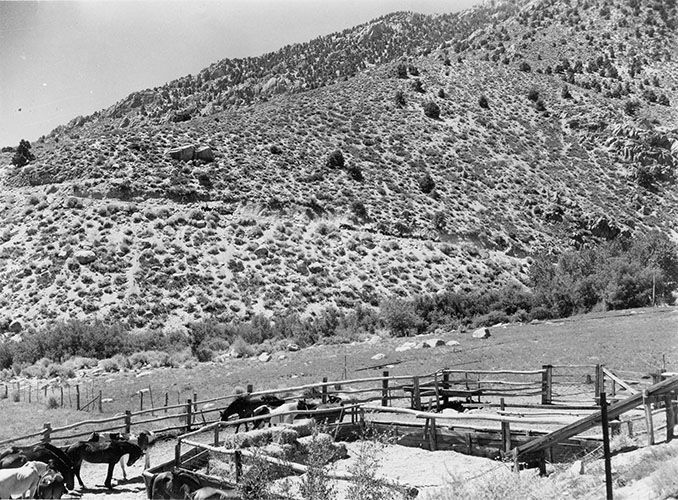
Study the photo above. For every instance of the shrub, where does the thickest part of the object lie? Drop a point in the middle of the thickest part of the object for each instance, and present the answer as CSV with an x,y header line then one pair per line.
x,y
565,93
426,183
23,154
431,109
533,95
315,485
240,348
441,93
539,105
335,159
52,403
401,71
276,150
359,210
400,99
417,86
355,172
524,66
483,103
631,107
255,482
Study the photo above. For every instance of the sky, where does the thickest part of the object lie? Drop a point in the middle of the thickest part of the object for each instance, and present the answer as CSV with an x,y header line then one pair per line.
x,y
59,60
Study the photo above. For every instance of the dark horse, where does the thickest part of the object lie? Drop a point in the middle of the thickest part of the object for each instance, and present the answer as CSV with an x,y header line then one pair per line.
x,y
106,452
41,452
244,406
172,484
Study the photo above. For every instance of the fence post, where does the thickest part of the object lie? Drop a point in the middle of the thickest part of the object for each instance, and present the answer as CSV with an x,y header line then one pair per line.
x,y
446,386
237,458
166,401
432,437
668,403
177,454
46,431
29,392
128,421
606,445
384,389
77,396
45,391
62,395
324,390
189,414
505,430
648,418
101,403
600,381
250,388
546,384
416,394
216,435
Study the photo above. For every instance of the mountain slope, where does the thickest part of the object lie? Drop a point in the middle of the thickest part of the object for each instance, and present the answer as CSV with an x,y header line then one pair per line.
x,y
421,204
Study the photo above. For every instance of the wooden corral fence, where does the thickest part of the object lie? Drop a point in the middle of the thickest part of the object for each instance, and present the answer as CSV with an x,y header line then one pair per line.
x,y
526,404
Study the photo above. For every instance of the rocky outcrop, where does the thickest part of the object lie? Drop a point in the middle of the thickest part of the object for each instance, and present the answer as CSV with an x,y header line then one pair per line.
x,y
85,257
189,152
481,333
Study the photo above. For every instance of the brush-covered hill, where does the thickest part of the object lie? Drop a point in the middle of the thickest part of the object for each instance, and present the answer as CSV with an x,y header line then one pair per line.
x,y
409,155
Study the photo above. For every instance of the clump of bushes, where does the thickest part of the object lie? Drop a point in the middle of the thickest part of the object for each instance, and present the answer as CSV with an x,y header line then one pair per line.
x,y
431,109
22,154
483,103
335,159
426,183
399,99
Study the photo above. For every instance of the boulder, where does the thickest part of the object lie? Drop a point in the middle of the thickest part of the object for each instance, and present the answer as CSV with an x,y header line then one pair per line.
x,y
293,347
261,251
204,153
451,343
433,342
379,356
481,333
316,268
15,326
85,256
265,357
182,153
405,347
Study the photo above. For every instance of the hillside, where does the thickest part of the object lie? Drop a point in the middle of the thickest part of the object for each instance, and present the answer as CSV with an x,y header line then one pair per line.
x,y
106,222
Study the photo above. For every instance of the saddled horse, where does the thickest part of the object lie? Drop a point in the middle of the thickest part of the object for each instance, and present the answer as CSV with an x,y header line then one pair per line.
x,y
41,452
245,406
109,452
143,440
174,484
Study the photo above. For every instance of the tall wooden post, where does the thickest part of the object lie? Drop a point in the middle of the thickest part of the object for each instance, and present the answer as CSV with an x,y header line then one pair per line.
x,y
600,383
237,458
216,435
546,384
606,446
46,433
128,421
647,403
446,385
62,395
505,431
166,401
189,414
177,454
77,396
324,390
141,400
670,418
250,388
433,436
416,393
384,389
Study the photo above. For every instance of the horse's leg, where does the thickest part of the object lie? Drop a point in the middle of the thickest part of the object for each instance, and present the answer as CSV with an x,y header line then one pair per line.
x,y
109,476
76,471
122,466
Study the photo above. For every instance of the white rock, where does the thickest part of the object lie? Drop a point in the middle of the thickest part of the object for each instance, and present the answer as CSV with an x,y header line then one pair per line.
x,y
85,256
381,355
281,357
374,339
15,326
452,343
577,468
265,357
481,333
420,345
293,347
405,347
433,342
